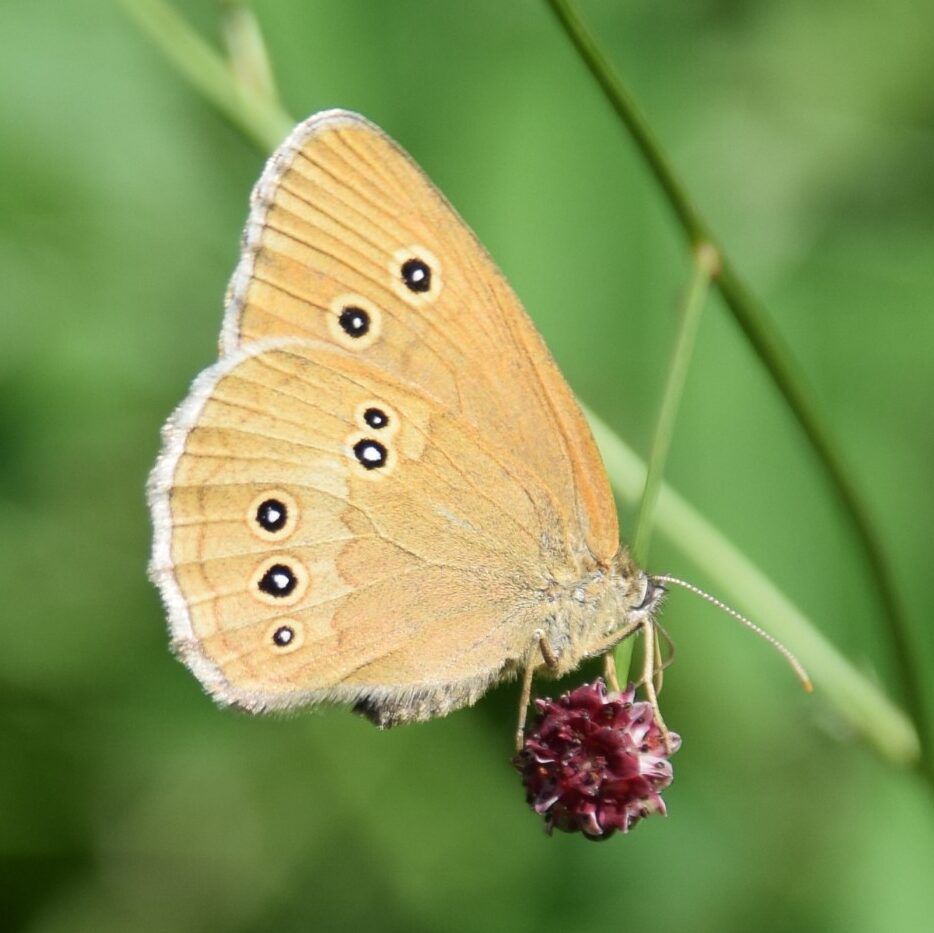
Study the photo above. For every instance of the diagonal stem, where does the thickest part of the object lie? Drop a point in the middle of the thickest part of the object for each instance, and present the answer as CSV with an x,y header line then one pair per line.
x,y
772,351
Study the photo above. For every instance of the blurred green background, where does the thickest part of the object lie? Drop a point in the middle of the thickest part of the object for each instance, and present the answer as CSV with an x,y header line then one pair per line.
x,y
806,132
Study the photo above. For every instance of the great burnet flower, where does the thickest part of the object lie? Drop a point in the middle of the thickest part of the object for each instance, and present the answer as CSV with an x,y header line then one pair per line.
x,y
595,762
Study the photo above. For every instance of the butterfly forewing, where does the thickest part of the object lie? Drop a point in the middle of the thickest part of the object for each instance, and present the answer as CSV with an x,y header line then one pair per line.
x,y
350,243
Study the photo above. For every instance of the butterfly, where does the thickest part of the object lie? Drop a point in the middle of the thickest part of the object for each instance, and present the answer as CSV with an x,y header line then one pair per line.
x,y
384,494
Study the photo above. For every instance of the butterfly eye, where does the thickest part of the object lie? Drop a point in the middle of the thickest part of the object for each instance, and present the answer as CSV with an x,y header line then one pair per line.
x,y
370,453
355,322
417,275
278,581
376,418
272,515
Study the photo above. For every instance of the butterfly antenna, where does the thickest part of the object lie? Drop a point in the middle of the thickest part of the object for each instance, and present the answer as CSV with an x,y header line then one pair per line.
x,y
796,665
669,643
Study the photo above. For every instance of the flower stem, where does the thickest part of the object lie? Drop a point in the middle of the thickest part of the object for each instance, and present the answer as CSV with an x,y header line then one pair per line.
x,y
771,349
858,699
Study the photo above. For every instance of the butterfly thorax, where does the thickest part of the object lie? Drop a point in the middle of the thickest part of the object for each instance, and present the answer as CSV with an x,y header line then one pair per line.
x,y
583,612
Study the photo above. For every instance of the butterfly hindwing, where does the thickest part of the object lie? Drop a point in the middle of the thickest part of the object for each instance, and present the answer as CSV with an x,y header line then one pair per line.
x,y
325,531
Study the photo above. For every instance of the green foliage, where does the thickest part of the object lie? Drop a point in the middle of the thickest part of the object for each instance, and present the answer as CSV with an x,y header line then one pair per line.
x,y
804,130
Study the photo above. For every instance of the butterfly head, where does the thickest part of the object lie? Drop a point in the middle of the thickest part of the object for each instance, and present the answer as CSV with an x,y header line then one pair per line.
x,y
648,594
640,594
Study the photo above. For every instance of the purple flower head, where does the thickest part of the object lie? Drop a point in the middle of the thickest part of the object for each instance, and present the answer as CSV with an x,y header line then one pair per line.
x,y
595,762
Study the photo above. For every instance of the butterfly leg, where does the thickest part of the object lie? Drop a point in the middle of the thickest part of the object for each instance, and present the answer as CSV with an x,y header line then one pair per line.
x,y
610,674
541,646
658,667
652,667
649,672
671,646
612,640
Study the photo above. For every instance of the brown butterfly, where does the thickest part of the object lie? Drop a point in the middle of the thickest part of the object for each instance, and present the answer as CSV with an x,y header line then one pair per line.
x,y
384,494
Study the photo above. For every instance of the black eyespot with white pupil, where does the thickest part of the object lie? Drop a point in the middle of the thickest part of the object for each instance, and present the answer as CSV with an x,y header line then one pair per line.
x,y
278,580
371,454
417,275
272,515
376,418
354,321
283,636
